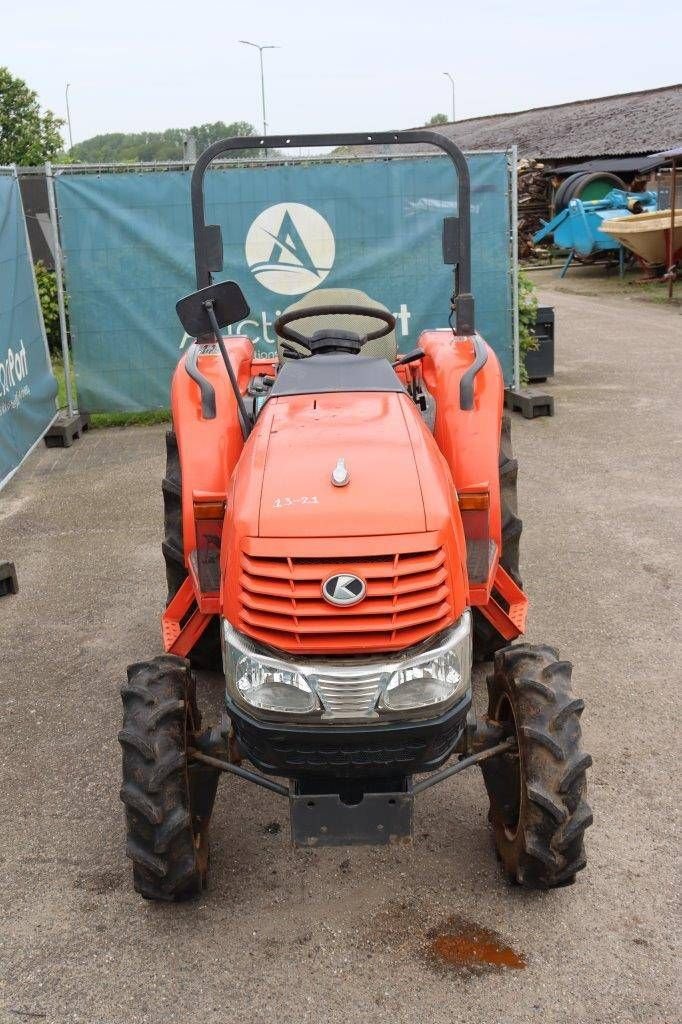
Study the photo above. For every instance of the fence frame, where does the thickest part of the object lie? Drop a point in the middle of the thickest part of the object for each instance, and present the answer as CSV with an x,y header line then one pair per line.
x,y
13,171
513,164
52,171
61,298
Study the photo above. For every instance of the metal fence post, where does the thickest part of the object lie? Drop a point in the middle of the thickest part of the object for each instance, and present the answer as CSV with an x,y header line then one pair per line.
x,y
514,200
15,172
59,274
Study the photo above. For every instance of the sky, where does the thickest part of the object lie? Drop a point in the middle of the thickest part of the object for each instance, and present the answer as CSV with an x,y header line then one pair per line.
x,y
353,65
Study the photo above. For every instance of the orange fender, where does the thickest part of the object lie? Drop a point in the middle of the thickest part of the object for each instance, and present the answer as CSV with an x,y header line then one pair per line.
x,y
208,449
468,439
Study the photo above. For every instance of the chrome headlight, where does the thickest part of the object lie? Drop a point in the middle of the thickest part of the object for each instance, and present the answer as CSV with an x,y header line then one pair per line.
x,y
434,677
263,682
424,679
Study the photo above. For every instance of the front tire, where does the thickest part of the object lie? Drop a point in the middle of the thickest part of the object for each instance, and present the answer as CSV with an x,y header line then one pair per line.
x,y
538,810
167,840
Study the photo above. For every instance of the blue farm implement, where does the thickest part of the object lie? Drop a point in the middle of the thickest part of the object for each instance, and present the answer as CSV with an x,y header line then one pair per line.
x,y
578,227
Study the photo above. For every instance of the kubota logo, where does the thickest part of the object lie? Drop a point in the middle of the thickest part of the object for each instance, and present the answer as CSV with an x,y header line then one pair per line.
x,y
343,589
290,248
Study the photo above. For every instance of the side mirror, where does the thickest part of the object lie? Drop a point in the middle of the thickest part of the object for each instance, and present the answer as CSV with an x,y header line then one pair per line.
x,y
229,306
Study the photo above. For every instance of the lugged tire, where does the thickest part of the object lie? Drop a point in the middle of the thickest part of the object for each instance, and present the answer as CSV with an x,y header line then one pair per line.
x,y
166,842
486,639
206,653
538,809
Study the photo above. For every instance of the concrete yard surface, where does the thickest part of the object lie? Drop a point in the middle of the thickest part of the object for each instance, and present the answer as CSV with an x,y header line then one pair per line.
x,y
345,935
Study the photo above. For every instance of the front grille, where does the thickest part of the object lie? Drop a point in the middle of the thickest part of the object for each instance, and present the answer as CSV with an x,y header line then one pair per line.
x,y
350,696
280,600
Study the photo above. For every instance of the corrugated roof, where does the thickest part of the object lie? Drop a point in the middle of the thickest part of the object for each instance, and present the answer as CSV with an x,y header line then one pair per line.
x,y
630,123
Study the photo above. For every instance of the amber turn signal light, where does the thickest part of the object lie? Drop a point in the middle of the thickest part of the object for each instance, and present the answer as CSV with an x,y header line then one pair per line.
x,y
209,509
474,501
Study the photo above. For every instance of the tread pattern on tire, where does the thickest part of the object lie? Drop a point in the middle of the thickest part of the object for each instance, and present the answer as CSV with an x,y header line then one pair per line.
x,y
547,849
158,708
206,652
486,639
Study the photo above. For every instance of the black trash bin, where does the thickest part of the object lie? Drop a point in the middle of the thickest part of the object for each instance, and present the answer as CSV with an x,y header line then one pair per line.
x,y
540,361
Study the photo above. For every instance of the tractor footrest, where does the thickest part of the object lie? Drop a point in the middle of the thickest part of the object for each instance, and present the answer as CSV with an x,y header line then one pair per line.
x,y
480,559
507,608
183,623
529,402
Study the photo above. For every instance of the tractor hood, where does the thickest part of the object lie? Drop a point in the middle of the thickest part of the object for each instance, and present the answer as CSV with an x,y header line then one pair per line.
x,y
375,434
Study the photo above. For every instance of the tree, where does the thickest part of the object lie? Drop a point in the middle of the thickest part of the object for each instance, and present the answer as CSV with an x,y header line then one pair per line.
x,y
205,134
437,119
117,147
27,136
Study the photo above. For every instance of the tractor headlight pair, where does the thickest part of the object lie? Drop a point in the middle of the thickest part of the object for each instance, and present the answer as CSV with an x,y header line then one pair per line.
x,y
420,679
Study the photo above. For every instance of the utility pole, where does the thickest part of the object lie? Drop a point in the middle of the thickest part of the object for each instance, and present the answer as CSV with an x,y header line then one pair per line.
x,y
452,83
260,49
68,115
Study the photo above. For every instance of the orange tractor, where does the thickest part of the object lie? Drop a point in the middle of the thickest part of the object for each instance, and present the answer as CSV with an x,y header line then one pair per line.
x,y
342,543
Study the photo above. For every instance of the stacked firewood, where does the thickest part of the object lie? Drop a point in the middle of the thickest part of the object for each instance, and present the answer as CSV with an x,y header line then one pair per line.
x,y
534,199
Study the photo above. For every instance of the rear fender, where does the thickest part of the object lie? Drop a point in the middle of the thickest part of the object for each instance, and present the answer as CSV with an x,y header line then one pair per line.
x,y
209,448
468,439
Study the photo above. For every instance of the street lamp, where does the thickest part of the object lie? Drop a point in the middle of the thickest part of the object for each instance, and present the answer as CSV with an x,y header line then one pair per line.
x,y
452,83
68,114
260,49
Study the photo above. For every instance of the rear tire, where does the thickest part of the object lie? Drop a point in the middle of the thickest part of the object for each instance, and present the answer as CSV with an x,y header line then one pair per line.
x,y
486,639
574,186
538,809
588,178
560,200
206,653
167,840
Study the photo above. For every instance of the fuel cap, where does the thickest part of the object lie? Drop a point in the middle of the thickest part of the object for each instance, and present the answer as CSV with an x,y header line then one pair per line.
x,y
340,474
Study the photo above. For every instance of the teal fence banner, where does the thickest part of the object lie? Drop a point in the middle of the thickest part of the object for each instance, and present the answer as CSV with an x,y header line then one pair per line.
x,y
375,225
27,386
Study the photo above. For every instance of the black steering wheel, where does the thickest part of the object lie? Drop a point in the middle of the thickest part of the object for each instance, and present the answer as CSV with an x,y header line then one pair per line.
x,y
333,339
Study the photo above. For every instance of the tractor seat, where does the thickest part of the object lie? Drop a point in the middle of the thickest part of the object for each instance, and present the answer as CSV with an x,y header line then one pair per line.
x,y
386,348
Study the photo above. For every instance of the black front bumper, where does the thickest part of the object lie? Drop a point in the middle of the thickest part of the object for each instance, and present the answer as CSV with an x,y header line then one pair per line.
x,y
349,752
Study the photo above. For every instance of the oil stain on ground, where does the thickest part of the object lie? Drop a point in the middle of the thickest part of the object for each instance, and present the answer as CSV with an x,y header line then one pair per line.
x,y
460,943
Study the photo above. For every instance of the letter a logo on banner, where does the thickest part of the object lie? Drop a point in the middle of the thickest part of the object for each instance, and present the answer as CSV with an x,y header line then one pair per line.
x,y
290,248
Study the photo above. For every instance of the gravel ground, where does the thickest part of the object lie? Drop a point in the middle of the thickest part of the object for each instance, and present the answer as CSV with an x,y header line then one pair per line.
x,y
285,935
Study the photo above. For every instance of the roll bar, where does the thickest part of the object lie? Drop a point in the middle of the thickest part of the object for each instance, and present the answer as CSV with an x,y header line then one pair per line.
x,y
208,246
